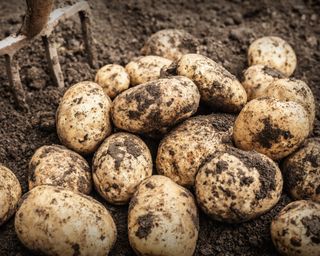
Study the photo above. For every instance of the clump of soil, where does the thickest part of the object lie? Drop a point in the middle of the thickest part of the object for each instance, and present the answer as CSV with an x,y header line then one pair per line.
x,y
225,30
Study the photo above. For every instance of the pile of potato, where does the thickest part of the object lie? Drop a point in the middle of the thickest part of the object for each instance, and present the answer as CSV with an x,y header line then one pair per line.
x,y
236,160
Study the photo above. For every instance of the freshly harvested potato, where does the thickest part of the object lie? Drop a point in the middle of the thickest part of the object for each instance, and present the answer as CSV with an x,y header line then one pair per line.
x,y
183,150
257,78
236,186
10,193
113,79
156,105
171,44
59,166
273,52
272,127
83,117
163,219
146,69
55,221
301,171
218,88
120,164
296,229
290,89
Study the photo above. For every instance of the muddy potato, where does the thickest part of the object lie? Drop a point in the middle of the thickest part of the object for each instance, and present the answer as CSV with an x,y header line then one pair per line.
x,y
290,89
83,117
236,185
10,193
257,78
183,150
156,105
272,127
273,52
301,171
218,88
170,44
120,164
296,229
113,79
59,166
55,221
163,219
146,69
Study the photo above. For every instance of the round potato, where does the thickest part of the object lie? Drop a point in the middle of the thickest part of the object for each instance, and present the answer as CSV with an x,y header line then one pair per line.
x,y
59,166
54,221
290,89
83,117
273,52
272,127
301,171
218,88
156,105
183,150
171,44
113,79
296,229
163,219
120,164
257,78
10,193
146,69
236,186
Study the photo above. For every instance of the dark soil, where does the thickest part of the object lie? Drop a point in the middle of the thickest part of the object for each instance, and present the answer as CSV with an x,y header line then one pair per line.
x,y
224,28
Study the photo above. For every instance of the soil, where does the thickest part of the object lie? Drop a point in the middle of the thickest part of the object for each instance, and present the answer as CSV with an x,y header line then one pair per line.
x,y
224,28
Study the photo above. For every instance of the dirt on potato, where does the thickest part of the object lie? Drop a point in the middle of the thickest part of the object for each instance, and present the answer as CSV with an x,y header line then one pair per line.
x,y
225,30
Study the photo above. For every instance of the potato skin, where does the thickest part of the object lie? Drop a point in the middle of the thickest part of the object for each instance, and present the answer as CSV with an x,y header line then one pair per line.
x,y
271,127
83,117
218,87
10,193
163,219
290,89
257,78
273,52
113,79
171,44
145,69
55,221
296,229
236,186
183,150
119,165
58,166
156,105
301,171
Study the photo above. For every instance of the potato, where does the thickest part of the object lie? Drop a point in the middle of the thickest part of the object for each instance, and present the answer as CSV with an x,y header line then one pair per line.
x,y
183,150
55,221
59,166
301,171
163,219
10,193
273,52
83,117
120,164
156,105
146,69
257,78
272,127
113,79
296,229
170,44
290,89
218,88
236,186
